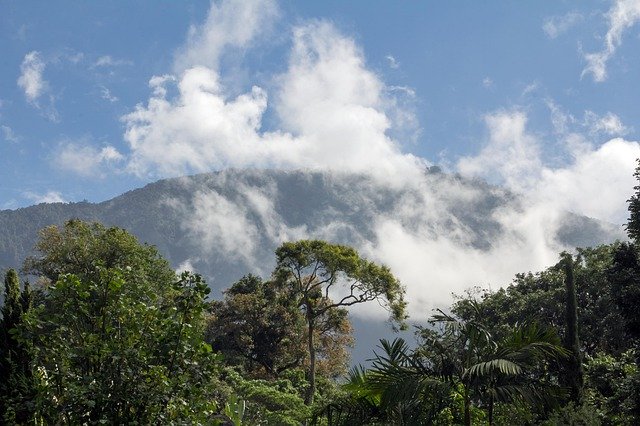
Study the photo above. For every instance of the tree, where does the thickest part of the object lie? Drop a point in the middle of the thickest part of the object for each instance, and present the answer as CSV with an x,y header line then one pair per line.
x,y
315,272
258,327
118,337
15,379
633,224
574,374
490,370
458,374
83,248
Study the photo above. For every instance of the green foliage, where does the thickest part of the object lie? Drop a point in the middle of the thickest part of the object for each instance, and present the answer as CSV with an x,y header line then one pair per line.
x,y
258,327
573,415
79,248
118,338
540,297
610,387
113,351
268,402
16,384
490,370
633,224
313,267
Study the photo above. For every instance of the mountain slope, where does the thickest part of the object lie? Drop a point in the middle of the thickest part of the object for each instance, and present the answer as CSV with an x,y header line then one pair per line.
x,y
440,235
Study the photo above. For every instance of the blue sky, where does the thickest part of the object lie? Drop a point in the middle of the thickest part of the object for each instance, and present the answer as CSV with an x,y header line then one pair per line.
x,y
97,98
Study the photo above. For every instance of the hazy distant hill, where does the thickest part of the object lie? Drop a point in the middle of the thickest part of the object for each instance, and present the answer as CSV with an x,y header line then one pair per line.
x,y
307,201
227,224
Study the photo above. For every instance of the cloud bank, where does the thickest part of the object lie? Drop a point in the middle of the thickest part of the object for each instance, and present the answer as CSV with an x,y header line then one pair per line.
x,y
334,114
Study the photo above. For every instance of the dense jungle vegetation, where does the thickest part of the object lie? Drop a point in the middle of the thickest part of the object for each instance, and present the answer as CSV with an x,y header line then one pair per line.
x,y
105,332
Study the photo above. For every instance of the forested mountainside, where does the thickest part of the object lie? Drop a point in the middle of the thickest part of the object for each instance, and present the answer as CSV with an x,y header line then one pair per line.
x,y
227,223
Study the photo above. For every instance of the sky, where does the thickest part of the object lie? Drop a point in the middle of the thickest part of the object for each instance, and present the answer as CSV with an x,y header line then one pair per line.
x,y
97,98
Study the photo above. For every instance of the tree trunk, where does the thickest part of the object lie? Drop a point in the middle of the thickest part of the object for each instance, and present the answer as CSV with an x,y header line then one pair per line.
x,y
491,410
311,373
467,407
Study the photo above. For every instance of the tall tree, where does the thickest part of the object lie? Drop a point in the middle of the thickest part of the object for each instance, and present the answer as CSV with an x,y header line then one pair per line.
x,y
574,371
323,278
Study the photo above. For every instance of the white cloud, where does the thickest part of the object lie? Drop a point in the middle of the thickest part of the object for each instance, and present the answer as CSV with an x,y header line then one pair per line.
x,y
623,15
554,26
229,24
109,61
49,197
512,155
219,224
487,82
596,181
334,114
9,134
31,80
393,63
107,95
81,158
609,124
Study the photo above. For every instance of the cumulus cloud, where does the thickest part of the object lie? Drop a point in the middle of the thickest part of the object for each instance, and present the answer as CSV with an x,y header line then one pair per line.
x,y
83,159
333,113
229,24
31,80
554,26
623,15
48,197
511,156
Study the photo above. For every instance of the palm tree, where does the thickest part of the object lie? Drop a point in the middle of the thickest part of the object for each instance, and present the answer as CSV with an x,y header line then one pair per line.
x,y
410,387
490,370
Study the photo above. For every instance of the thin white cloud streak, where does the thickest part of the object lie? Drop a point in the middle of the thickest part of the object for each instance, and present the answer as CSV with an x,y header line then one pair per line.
x,y
31,80
554,26
109,61
609,124
49,197
107,95
34,86
83,159
229,25
9,134
393,63
623,15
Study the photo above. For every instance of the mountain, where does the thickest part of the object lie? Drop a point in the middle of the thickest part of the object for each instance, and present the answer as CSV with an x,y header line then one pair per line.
x,y
440,234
